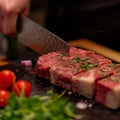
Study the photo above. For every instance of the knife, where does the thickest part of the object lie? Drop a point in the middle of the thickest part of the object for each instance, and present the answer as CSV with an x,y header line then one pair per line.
x,y
38,38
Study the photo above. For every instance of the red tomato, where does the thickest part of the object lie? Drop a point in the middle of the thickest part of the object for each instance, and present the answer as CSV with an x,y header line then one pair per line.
x,y
4,96
2,87
7,77
22,86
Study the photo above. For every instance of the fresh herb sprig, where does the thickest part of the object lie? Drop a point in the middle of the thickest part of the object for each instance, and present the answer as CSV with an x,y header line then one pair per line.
x,y
49,107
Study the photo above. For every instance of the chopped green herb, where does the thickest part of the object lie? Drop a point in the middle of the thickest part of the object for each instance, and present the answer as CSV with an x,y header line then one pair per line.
x,y
71,62
76,69
87,66
60,55
111,79
113,65
74,60
102,74
77,59
117,71
115,80
85,59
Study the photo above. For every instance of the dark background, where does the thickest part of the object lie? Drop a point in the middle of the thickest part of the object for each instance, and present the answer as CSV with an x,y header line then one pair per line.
x,y
97,20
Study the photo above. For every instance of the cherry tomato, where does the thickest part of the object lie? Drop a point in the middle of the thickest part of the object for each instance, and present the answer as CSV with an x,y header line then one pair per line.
x,y
7,77
22,86
4,96
2,87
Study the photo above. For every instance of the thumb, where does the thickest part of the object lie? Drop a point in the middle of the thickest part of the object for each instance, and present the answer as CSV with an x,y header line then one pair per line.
x,y
25,11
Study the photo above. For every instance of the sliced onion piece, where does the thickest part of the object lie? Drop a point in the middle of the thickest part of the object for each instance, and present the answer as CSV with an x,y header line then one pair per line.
x,y
26,63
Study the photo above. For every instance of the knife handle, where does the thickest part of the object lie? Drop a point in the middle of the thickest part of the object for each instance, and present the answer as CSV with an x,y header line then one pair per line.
x,y
18,24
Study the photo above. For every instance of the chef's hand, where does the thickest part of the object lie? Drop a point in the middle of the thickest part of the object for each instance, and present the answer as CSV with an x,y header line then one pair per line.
x,y
9,10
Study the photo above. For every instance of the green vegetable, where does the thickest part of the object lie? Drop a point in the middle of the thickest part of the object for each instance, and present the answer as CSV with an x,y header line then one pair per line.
x,y
49,107
88,66
115,79
113,65
77,59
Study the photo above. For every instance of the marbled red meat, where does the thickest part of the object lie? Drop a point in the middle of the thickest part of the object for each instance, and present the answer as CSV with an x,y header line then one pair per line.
x,y
108,91
44,63
79,72
87,80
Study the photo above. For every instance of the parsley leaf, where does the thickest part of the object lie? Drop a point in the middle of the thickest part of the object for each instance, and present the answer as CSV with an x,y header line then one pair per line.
x,y
49,107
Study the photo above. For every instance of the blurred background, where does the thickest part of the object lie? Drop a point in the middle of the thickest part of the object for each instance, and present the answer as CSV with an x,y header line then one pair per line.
x,y
97,20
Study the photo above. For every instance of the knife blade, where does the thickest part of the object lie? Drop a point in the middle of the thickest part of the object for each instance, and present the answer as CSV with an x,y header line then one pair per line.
x,y
40,39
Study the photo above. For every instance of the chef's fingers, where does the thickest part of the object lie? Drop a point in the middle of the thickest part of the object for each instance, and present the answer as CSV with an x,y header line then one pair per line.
x,y
1,23
10,12
9,24
26,10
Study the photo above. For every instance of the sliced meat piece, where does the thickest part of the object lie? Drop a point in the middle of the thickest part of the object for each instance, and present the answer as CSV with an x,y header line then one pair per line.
x,y
86,81
79,52
83,82
117,68
76,52
45,62
61,77
108,89
108,92
80,77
